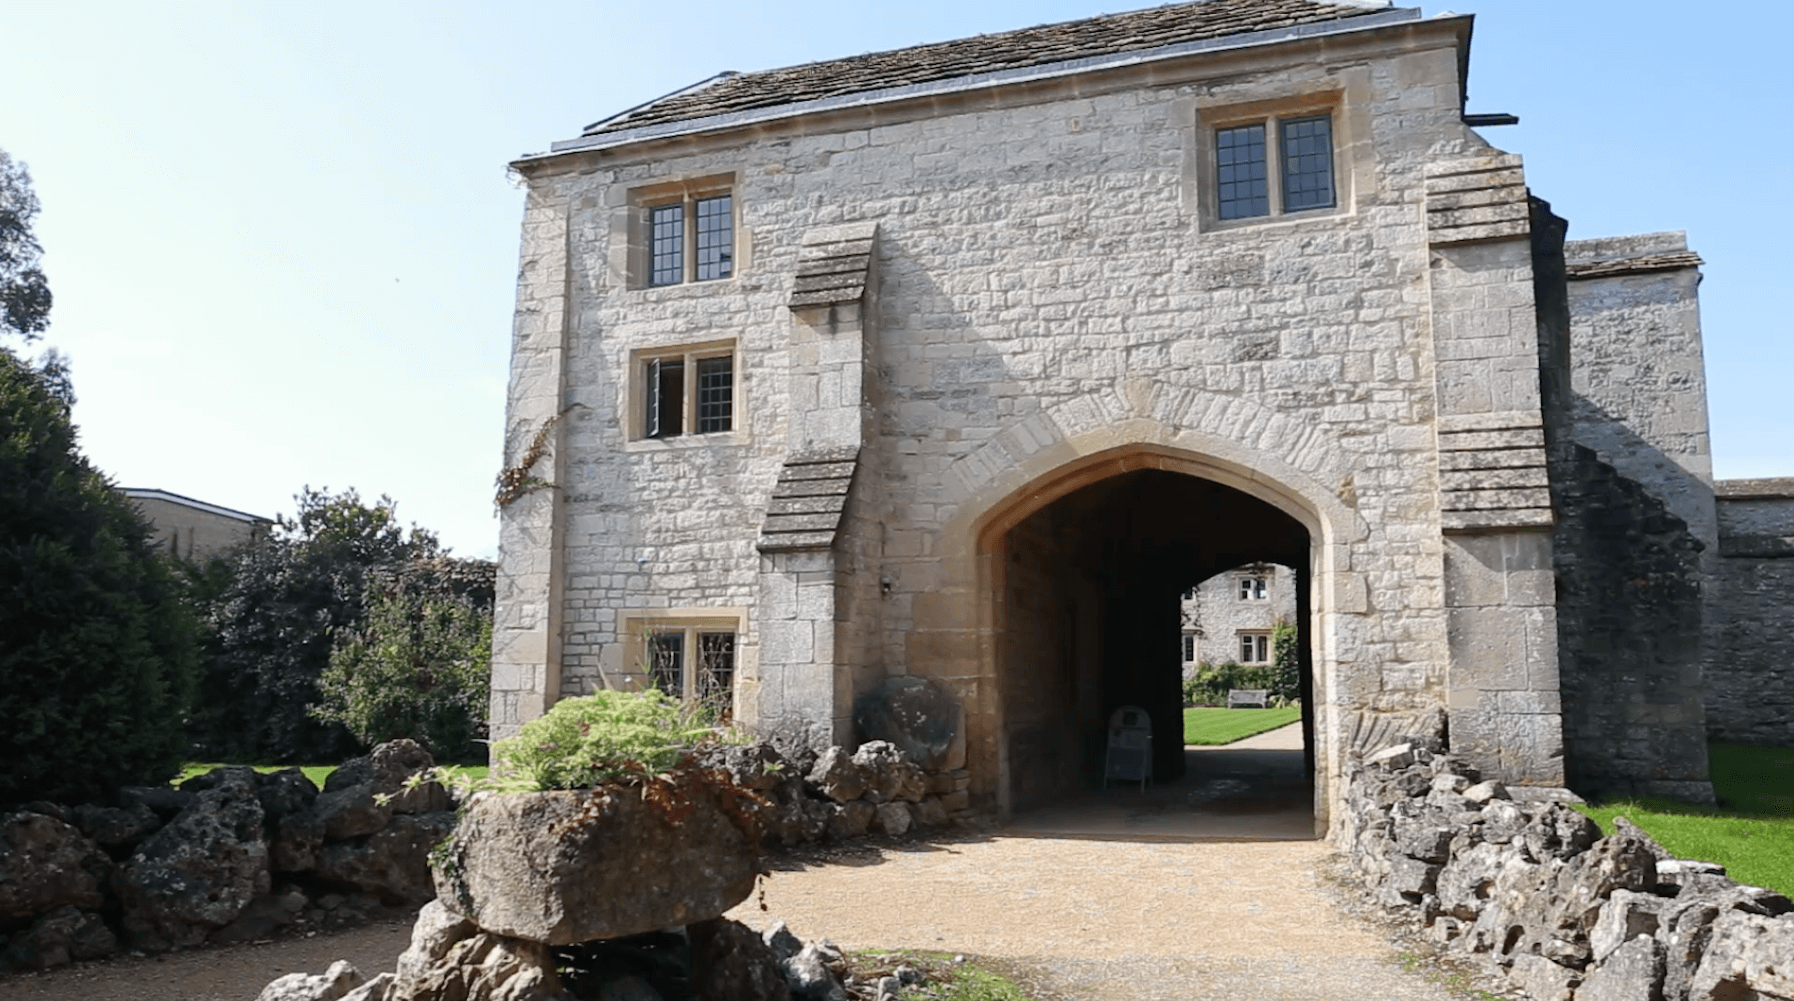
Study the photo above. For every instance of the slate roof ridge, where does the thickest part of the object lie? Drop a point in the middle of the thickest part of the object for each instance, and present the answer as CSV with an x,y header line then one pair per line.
x,y
1128,31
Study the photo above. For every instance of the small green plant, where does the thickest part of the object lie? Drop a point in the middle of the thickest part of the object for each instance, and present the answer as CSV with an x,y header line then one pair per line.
x,y
599,738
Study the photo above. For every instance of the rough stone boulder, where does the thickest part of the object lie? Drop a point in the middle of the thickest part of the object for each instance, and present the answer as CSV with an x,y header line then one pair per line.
x,y
165,801
46,864
729,960
331,985
198,872
889,773
112,827
837,777
283,794
392,863
573,866
451,958
920,716
751,766
58,938
1749,957
386,771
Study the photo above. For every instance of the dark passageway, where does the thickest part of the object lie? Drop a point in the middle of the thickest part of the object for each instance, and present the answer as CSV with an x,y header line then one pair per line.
x,y
1090,618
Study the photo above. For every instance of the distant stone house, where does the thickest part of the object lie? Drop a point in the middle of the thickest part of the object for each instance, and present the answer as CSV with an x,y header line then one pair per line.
x,y
194,529
1232,616
961,361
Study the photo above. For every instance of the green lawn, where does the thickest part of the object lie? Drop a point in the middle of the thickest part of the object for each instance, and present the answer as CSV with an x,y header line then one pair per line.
x,y
1224,726
1752,832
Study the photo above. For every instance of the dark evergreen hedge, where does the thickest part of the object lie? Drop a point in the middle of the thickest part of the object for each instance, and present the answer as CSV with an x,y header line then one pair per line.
x,y
97,652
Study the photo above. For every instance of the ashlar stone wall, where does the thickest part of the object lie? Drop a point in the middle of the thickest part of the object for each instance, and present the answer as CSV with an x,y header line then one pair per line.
x,y
1749,681
1056,302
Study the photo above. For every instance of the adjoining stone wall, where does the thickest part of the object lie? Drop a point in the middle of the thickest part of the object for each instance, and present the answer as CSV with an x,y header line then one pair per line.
x,y
1750,615
1629,568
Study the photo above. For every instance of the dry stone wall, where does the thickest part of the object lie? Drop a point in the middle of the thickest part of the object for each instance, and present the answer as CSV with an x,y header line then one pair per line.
x,y
1517,880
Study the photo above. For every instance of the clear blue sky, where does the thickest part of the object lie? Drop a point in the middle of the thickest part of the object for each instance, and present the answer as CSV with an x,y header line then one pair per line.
x,y
283,243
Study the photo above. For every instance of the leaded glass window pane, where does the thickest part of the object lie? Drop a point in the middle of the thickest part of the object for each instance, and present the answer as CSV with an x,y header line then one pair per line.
x,y
1242,172
716,394
665,379
1307,162
716,237
666,245
716,669
666,662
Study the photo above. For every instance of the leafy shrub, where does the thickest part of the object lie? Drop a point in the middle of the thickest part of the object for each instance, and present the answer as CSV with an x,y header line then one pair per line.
x,y
417,666
590,740
96,645
1210,684
274,612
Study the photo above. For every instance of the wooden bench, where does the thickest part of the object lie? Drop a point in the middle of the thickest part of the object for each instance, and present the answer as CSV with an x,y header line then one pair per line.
x,y
1241,698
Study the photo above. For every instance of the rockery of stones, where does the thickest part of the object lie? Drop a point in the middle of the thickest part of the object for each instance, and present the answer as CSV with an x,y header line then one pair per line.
x,y
1518,880
619,891
230,856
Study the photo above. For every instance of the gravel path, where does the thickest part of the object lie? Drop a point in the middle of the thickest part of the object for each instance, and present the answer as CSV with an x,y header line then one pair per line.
x,y
1086,920
1099,920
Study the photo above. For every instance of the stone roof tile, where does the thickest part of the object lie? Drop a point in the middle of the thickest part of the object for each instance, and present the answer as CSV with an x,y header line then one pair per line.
x,y
1098,36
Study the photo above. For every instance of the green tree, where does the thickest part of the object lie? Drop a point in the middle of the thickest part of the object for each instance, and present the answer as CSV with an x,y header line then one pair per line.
x,y
271,619
97,656
24,293
274,612
1286,663
416,666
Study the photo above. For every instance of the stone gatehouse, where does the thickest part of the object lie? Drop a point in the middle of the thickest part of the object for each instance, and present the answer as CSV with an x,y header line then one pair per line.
x,y
965,360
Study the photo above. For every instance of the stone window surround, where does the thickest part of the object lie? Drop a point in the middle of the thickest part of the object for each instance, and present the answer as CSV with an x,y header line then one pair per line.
x,y
1341,98
639,623
1262,641
635,417
631,230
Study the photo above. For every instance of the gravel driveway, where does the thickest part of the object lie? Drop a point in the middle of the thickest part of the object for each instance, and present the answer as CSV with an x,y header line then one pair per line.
x,y
1100,920
1129,920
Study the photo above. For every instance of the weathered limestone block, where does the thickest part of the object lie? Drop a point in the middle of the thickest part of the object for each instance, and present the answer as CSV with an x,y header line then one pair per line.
x,y
1633,972
392,863
850,820
57,939
1748,956
572,866
889,773
1467,881
284,793
46,864
837,776
1544,980
298,837
751,766
388,768
920,716
198,872
350,812
731,962
331,985
894,818
1626,916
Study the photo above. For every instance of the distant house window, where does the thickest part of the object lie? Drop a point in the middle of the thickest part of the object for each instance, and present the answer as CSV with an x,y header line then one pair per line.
x,y
687,391
1253,589
692,662
1189,594
1189,648
1300,174
1255,648
691,240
